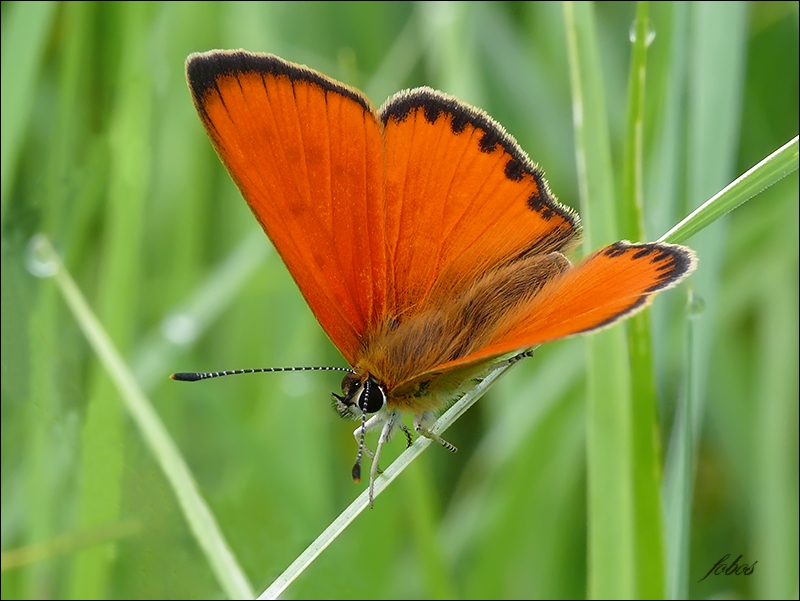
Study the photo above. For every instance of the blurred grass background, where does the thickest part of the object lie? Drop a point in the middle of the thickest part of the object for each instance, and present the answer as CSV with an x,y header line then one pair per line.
x,y
103,152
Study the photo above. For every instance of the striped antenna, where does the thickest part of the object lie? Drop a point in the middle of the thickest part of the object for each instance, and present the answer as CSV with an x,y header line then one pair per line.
x,y
191,376
357,466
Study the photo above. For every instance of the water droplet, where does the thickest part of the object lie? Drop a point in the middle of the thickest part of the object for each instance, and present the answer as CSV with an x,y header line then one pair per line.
x,y
40,259
696,306
650,36
179,328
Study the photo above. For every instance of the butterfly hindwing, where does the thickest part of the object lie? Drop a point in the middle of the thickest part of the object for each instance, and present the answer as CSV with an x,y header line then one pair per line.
x,y
307,155
612,283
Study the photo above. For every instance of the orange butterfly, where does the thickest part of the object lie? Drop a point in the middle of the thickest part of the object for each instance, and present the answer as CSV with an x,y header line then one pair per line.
x,y
423,238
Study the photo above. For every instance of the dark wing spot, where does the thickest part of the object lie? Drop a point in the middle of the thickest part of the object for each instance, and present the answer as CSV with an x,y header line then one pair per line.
x,y
644,251
514,170
488,142
616,250
432,112
459,122
543,203
536,203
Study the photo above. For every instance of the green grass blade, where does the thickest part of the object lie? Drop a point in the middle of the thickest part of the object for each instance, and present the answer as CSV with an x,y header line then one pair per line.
x,y
646,443
631,218
681,467
102,453
340,524
202,522
24,42
717,46
755,180
611,553
775,428
592,144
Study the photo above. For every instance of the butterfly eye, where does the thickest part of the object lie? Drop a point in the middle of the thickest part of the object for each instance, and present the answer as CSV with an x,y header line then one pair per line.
x,y
372,398
357,397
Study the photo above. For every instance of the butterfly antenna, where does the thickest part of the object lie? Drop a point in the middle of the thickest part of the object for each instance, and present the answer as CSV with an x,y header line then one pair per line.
x,y
357,466
192,376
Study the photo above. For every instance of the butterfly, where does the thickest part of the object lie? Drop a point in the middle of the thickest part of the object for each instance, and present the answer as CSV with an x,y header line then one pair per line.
x,y
425,241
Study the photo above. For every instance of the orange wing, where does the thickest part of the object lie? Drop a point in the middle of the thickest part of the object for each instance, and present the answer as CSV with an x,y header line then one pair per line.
x,y
461,197
307,155
612,283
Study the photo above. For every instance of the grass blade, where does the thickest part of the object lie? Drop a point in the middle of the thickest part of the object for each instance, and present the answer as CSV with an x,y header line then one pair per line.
x,y
717,46
202,522
646,444
338,525
611,554
24,41
681,467
758,178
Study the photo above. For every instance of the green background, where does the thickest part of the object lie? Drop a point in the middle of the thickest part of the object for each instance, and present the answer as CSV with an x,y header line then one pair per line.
x,y
103,152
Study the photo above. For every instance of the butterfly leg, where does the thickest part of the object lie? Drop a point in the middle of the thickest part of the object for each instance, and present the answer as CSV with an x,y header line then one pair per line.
x,y
386,435
407,432
421,425
520,356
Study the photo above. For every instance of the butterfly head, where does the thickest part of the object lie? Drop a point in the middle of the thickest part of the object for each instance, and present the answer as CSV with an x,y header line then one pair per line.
x,y
361,394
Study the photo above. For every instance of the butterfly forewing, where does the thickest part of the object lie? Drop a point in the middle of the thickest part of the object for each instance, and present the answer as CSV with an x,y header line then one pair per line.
x,y
461,198
307,155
